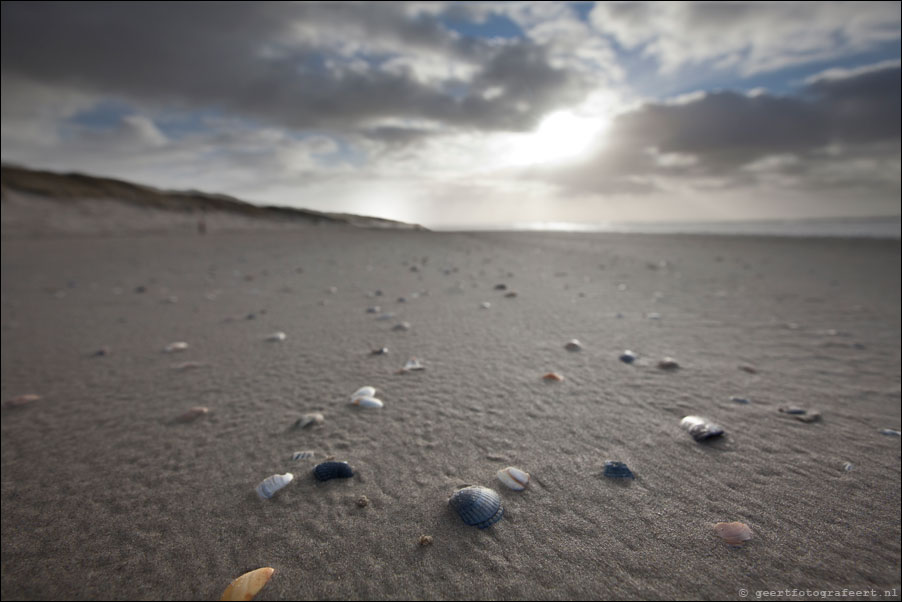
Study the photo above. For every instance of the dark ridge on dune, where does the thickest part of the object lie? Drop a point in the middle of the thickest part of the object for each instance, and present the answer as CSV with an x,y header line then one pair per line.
x,y
77,186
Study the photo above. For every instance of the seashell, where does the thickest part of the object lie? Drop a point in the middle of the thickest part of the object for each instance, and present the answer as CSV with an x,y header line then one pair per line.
x,y
668,363
485,305
735,533
276,337
379,351
401,326
21,400
890,432
848,466
425,540
303,455
247,585
741,400
367,402
193,414
514,478
175,347
573,345
363,392
413,365
700,428
617,470
373,309
306,420
271,485
553,377
363,501
332,470
627,357
477,506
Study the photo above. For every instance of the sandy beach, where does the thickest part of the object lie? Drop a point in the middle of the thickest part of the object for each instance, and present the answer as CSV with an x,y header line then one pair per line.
x,y
106,495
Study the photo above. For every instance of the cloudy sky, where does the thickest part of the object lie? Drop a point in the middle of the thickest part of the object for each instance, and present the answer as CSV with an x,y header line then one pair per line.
x,y
469,114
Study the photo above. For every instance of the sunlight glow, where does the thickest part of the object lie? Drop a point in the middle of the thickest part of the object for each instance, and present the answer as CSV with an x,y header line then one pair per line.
x,y
561,136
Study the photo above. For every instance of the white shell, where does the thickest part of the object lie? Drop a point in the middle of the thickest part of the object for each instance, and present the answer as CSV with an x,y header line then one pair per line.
x,y
271,485
514,478
367,402
276,337
363,392
303,455
175,347
485,305
573,345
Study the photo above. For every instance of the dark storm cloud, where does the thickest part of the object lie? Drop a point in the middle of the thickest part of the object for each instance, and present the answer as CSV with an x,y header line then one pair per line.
x,y
289,64
735,137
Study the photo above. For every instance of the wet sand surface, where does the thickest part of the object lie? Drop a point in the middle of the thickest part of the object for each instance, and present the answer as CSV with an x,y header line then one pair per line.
x,y
105,494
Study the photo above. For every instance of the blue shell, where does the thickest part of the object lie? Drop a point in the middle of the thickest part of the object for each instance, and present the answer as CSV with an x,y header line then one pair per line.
x,y
333,470
477,506
708,430
627,357
617,470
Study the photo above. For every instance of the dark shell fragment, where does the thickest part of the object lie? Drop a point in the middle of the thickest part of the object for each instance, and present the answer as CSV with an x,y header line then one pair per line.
x,y
332,470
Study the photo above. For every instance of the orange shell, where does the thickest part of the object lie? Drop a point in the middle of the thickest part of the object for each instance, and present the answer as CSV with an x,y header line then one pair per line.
x,y
553,376
247,585
735,533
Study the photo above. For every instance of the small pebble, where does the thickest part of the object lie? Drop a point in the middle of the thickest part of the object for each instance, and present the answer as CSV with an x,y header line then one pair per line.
x,y
373,309
363,501
801,413
573,345
627,357
510,294
425,540
500,287
668,363
741,400
103,351
617,470
401,326
749,369
379,351
485,305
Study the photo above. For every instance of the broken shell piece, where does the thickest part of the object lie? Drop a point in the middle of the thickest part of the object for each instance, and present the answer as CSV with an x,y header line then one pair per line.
x,y
247,585
413,365
573,345
890,432
848,466
363,392
477,506
668,363
627,357
514,478
184,366
485,305
303,455
617,470
700,428
21,400
801,413
401,326
314,419
332,470
194,413
741,400
735,533
367,402
553,377
271,485
276,337
175,347
379,351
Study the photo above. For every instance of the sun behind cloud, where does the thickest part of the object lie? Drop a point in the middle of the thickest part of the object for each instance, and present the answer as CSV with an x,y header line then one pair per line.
x,y
560,136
